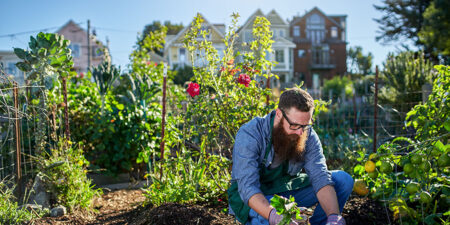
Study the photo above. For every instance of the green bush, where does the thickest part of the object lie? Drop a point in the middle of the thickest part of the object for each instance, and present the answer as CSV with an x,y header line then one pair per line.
x,y
337,85
65,171
10,213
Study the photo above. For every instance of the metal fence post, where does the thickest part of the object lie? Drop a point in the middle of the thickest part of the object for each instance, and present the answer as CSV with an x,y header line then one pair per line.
x,y
163,117
375,111
66,111
17,125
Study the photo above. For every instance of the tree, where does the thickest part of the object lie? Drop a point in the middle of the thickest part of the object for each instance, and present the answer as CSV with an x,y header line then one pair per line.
x,y
403,77
402,19
436,27
359,63
172,29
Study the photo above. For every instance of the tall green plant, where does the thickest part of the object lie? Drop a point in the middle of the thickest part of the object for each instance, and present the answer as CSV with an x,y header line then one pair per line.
x,y
47,59
403,76
105,75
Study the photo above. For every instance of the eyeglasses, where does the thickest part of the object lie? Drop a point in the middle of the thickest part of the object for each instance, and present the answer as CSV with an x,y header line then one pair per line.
x,y
295,126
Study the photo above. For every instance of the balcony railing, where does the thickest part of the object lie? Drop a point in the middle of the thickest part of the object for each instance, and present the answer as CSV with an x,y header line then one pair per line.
x,y
321,59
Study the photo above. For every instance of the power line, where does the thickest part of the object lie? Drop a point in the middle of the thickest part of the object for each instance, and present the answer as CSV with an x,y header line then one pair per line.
x,y
29,32
116,30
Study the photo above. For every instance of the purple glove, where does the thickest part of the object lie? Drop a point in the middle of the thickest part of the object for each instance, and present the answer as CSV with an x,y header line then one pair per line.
x,y
274,218
335,219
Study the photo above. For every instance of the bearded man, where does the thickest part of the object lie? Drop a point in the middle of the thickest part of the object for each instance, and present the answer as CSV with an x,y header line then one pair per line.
x,y
268,157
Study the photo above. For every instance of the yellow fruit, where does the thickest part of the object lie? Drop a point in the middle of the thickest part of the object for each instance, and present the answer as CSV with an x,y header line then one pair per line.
x,y
369,166
360,187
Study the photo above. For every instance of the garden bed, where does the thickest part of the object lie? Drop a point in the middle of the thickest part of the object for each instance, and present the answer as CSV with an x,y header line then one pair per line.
x,y
125,207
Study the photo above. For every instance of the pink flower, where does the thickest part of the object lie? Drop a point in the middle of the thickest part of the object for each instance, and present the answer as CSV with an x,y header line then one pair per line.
x,y
193,89
244,79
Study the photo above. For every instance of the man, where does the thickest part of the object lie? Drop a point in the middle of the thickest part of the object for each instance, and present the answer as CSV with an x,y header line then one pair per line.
x,y
268,156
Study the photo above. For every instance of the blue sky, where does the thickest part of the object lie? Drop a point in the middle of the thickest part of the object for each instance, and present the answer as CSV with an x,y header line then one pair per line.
x,y
120,21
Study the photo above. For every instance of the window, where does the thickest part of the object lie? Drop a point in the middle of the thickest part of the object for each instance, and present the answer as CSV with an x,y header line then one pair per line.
x,y
279,56
301,53
334,32
315,28
182,54
281,33
296,31
343,36
76,50
11,69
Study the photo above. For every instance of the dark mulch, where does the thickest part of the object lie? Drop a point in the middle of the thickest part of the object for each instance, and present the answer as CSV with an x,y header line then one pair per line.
x,y
363,210
125,207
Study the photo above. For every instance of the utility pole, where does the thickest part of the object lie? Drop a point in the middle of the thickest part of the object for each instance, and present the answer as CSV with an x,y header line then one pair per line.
x,y
88,44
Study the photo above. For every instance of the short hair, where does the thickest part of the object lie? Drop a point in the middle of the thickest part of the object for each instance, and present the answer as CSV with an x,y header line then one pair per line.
x,y
298,98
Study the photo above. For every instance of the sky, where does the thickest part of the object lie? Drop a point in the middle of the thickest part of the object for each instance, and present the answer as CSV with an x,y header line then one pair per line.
x,y
121,21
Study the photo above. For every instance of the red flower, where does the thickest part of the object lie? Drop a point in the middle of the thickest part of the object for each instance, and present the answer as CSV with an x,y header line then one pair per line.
x,y
81,75
156,64
148,62
230,62
244,79
222,69
193,89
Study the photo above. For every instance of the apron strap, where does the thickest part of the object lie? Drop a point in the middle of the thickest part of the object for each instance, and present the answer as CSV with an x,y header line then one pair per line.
x,y
269,146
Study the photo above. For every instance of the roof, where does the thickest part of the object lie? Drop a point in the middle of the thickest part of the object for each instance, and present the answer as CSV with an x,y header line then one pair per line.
x,y
187,27
315,9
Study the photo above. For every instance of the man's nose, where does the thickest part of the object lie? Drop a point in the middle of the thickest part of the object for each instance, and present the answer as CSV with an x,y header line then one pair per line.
x,y
299,132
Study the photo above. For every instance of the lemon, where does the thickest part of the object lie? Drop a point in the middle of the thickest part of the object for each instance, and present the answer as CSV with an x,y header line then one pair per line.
x,y
416,159
373,175
408,168
360,187
444,160
412,188
425,197
369,166
385,167
425,166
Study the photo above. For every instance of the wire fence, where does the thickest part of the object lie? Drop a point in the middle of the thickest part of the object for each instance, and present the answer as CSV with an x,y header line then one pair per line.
x,y
19,119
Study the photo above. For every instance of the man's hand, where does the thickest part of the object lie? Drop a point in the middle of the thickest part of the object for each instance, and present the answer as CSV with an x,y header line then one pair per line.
x,y
335,219
274,218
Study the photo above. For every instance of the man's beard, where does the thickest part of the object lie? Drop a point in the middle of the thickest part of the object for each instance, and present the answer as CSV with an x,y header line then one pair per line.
x,y
288,146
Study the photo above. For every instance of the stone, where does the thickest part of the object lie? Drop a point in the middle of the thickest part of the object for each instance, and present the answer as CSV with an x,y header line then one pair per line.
x,y
38,193
58,211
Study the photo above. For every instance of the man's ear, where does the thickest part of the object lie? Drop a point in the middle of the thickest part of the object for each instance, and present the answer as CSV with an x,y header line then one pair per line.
x,y
278,113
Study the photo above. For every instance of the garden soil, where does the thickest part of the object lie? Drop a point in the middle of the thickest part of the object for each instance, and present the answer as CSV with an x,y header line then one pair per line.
x,y
125,207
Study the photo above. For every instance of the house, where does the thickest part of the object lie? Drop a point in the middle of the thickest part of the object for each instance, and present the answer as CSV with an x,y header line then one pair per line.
x,y
79,46
8,60
320,51
178,56
283,46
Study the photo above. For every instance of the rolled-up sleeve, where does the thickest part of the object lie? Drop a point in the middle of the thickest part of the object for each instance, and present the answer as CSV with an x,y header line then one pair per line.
x,y
245,163
315,164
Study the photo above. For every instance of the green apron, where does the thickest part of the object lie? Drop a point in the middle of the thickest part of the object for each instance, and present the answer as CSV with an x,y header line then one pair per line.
x,y
272,181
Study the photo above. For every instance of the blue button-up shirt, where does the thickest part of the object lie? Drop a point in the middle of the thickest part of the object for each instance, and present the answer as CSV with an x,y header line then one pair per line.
x,y
249,150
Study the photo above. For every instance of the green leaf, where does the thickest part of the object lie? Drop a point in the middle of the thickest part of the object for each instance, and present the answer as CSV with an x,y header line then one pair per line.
x,y
120,107
439,146
447,125
24,66
22,54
